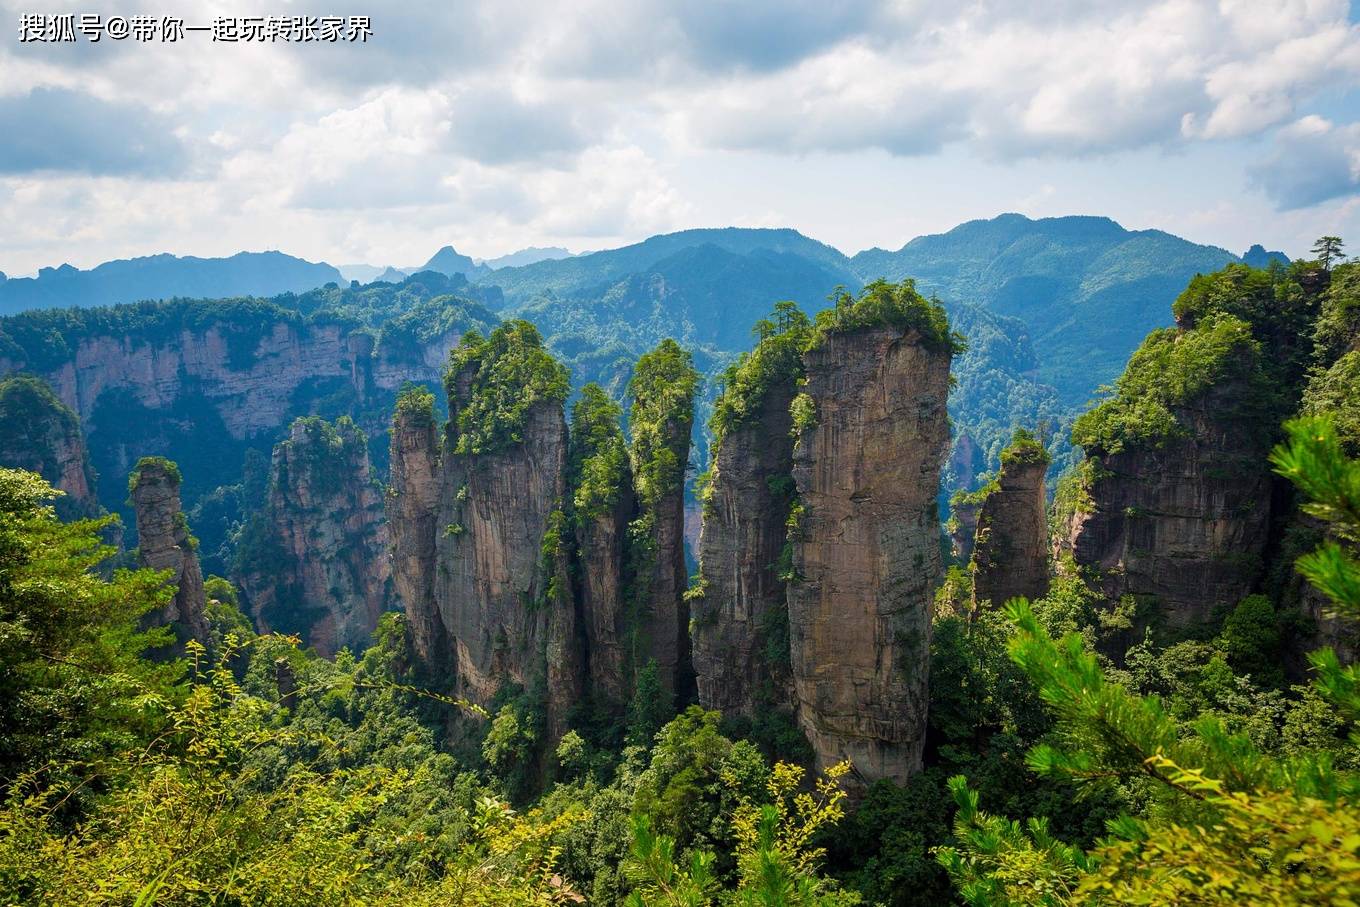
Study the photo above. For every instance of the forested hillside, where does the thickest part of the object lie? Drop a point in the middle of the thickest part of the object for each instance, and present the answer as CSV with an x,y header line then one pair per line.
x,y
835,711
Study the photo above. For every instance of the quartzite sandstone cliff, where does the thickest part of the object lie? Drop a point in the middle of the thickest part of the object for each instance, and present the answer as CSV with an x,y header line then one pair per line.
x,y
866,551
1010,554
164,543
319,563
741,619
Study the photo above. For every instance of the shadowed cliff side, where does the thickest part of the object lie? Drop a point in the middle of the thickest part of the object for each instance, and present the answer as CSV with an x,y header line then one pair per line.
x,y
1010,553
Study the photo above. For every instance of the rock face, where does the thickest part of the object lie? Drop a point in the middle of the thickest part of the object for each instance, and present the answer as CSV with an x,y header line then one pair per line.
x,y
741,620
480,538
662,417
41,434
318,564
412,500
602,546
248,379
492,583
962,526
1183,525
866,551
163,543
1010,557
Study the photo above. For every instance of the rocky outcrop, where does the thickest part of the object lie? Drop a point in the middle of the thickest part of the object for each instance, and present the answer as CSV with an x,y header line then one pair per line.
x,y
164,543
248,373
663,388
603,504
963,523
491,607
1010,555
741,618
1181,525
492,582
41,434
412,502
866,552
317,561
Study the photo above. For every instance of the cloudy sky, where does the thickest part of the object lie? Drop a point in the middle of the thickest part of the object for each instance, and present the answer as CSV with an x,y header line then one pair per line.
x,y
499,125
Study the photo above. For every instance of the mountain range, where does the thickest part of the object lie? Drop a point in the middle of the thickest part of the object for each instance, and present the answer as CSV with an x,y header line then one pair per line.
x,y
1051,308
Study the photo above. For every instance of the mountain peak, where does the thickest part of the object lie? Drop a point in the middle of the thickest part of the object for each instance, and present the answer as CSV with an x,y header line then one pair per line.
x,y
1258,257
448,261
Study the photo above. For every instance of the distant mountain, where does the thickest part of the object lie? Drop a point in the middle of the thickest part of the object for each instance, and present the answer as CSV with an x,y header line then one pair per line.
x,y
448,261
597,271
1087,289
392,275
163,277
1258,257
361,273
525,257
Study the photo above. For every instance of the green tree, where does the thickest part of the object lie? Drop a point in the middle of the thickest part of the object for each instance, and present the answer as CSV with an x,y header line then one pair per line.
x,y
1328,251
73,688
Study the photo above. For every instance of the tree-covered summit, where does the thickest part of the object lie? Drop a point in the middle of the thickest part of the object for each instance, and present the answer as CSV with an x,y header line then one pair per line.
x,y
493,383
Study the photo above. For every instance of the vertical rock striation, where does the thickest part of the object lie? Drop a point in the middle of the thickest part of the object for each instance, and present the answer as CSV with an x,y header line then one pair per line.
x,y
480,534
872,434
316,562
603,503
412,499
662,417
741,617
164,543
1010,555
1171,509
41,434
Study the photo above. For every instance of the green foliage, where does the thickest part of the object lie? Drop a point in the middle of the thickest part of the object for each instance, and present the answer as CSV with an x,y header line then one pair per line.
x,y
804,413
1024,448
896,305
161,464
777,860
597,462
1328,250
73,689
493,383
650,708
1335,393
776,361
1170,370
415,405
663,388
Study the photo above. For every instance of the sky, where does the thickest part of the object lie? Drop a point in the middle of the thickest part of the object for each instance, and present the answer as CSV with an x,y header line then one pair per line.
x,y
493,126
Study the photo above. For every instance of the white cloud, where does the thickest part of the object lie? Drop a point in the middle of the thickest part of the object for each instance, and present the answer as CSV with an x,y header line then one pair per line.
x,y
1313,161
520,122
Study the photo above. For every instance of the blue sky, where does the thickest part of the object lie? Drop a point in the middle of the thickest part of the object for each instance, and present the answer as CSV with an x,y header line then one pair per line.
x,y
494,126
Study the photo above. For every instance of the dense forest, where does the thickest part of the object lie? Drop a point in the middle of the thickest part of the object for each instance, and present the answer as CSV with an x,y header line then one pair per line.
x,y
1143,693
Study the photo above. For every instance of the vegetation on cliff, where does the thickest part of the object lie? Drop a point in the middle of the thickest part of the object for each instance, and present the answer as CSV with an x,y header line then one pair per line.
x,y
662,390
507,374
597,462
896,305
776,360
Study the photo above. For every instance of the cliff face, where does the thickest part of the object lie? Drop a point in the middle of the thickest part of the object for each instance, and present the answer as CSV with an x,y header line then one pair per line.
x,y
663,388
249,380
322,567
492,581
163,543
480,538
866,549
1183,525
601,543
41,434
412,499
963,524
1010,556
741,618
